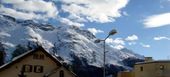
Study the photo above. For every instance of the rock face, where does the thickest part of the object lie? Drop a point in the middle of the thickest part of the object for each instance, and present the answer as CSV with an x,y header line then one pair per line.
x,y
75,45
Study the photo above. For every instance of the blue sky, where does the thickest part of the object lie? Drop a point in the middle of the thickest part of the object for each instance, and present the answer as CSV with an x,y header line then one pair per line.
x,y
143,25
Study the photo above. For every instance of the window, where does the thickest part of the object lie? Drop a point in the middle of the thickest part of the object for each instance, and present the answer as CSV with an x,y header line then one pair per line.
x,y
41,56
161,67
35,56
141,68
61,73
38,69
32,68
38,56
27,68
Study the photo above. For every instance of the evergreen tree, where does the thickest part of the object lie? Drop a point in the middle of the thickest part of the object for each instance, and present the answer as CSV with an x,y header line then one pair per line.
x,y
2,54
19,50
54,49
32,45
94,56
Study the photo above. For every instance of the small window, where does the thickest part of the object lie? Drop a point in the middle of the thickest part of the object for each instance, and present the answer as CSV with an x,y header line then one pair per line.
x,y
27,68
41,56
141,68
38,56
61,73
161,67
38,69
35,56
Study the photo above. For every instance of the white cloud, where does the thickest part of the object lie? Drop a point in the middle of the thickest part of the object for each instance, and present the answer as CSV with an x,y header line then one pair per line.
x,y
95,10
18,14
132,43
76,18
132,38
145,45
118,41
94,30
69,22
29,9
77,11
161,38
157,20
12,1
119,47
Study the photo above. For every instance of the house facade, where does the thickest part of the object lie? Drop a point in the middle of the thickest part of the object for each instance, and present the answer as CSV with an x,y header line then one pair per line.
x,y
36,63
149,68
126,74
153,69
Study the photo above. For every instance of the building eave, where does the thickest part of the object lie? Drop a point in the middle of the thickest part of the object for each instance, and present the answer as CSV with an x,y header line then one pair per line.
x,y
150,62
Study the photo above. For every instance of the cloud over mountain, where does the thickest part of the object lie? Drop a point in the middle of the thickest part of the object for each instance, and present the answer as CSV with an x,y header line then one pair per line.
x,y
29,9
117,43
74,12
94,10
94,30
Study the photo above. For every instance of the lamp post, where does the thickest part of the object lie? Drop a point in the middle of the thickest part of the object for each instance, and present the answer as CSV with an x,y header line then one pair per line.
x,y
112,32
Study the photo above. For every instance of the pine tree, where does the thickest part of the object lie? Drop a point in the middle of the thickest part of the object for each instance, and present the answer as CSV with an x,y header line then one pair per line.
x,y
54,49
94,56
19,50
2,54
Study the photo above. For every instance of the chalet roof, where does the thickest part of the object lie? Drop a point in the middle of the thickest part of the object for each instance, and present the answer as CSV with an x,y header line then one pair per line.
x,y
20,57
150,62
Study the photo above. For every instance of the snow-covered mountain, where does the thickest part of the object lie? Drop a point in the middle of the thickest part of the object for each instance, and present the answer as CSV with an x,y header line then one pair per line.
x,y
65,41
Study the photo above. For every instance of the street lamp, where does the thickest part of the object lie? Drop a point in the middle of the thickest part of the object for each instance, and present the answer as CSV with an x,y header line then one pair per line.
x,y
112,32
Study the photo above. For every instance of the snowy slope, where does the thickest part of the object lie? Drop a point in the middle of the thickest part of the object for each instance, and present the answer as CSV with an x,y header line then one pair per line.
x,y
64,40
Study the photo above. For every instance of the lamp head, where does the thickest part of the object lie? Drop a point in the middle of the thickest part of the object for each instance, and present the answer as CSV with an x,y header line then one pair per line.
x,y
97,41
112,32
